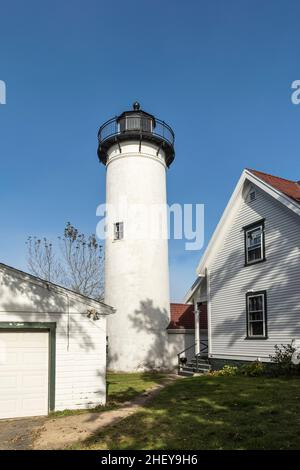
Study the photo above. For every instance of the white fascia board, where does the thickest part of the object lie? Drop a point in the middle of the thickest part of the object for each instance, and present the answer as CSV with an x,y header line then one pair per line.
x,y
190,293
221,227
278,195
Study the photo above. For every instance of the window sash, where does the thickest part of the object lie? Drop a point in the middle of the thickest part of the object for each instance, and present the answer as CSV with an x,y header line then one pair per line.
x,y
253,312
254,332
258,315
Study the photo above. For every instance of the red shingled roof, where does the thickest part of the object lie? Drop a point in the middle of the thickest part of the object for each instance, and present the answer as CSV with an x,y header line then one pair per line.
x,y
287,187
182,316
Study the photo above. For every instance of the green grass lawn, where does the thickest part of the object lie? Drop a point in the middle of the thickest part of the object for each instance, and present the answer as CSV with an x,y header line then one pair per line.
x,y
121,387
124,387
209,413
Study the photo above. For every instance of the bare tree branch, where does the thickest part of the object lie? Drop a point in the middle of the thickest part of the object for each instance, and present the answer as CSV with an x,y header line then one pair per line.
x,y
77,262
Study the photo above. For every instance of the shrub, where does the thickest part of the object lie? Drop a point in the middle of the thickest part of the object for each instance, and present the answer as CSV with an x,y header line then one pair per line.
x,y
282,360
254,369
227,371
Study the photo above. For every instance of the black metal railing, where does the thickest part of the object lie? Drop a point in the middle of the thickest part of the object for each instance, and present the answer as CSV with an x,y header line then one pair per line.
x,y
204,348
203,351
141,125
183,360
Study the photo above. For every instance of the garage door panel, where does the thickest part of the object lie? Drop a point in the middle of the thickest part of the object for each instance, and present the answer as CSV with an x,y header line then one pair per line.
x,y
40,340
9,407
13,361
35,380
7,381
8,358
24,379
34,405
32,358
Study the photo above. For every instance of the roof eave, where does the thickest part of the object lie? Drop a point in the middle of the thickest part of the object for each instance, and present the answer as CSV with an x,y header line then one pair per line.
x,y
105,309
190,293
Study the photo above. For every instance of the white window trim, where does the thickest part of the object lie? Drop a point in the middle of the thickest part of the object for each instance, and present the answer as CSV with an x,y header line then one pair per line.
x,y
263,296
247,249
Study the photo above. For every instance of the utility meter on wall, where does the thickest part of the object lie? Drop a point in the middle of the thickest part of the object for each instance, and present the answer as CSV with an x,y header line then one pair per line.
x,y
296,354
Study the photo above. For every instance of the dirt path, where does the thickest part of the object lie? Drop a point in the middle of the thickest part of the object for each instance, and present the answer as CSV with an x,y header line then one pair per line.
x,y
59,433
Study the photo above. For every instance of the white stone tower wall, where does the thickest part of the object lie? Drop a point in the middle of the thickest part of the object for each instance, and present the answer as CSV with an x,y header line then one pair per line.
x,y
136,268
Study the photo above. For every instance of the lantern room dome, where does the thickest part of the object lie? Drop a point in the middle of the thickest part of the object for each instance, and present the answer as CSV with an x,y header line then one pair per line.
x,y
136,124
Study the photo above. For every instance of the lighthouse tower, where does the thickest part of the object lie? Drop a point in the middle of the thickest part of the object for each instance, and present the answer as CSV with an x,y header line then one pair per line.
x,y
136,148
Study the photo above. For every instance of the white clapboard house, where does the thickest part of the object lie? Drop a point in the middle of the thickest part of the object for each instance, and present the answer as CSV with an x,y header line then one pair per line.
x,y
249,275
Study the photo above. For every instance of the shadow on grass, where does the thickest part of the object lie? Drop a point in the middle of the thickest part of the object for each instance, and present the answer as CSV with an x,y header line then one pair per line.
x,y
212,413
124,387
121,389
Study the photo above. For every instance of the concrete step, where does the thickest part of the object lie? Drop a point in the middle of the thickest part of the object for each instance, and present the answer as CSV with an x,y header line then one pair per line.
x,y
200,361
202,366
193,369
189,368
184,373
193,365
201,372
188,373
203,360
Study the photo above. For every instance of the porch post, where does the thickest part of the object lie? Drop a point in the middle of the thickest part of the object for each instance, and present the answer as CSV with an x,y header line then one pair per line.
x,y
197,327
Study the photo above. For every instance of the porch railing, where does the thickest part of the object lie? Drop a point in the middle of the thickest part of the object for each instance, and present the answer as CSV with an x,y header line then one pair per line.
x,y
183,360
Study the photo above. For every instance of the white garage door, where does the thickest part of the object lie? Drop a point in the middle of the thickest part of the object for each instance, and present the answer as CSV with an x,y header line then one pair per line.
x,y
23,373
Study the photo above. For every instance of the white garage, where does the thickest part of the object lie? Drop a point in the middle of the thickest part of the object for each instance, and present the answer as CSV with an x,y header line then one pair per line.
x,y
52,347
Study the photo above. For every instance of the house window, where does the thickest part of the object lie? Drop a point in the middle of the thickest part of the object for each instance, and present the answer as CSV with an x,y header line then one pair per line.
x,y
256,306
252,195
254,243
118,231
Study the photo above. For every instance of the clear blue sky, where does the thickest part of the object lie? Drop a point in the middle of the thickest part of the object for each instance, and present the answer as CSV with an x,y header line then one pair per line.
x,y
218,71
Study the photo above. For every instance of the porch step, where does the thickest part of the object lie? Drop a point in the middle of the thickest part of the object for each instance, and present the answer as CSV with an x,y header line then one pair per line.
x,y
185,373
189,368
201,366
201,360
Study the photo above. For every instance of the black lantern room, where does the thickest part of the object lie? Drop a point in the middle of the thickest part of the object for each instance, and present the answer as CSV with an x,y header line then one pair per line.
x,y
136,124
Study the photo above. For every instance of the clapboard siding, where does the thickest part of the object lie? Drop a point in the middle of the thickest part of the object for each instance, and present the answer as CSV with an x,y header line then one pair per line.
x,y
279,275
80,341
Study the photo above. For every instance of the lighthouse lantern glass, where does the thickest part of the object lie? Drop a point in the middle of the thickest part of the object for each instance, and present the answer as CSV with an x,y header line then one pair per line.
x,y
135,123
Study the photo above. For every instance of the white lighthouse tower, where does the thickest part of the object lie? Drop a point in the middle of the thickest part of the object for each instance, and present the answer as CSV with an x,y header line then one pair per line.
x,y
137,149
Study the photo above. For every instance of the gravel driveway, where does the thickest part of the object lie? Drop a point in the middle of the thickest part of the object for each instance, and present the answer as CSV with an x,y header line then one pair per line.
x,y
17,434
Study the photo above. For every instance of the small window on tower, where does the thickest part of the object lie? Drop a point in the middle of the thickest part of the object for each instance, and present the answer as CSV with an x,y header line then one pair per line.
x,y
118,231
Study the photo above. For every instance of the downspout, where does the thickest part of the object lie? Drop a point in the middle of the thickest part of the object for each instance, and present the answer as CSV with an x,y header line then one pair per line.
x,y
197,327
209,335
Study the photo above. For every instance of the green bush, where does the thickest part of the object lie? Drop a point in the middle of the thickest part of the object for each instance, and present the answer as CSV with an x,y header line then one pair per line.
x,y
227,371
282,360
254,369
